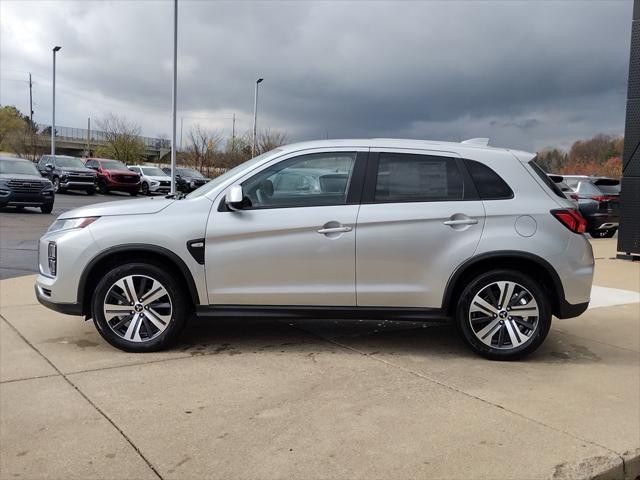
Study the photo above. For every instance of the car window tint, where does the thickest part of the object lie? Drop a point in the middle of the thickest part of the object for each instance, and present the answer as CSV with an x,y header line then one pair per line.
x,y
489,184
304,181
414,178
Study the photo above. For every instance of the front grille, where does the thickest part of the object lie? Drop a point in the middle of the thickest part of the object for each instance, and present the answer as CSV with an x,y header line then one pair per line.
x,y
80,178
165,183
26,186
125,178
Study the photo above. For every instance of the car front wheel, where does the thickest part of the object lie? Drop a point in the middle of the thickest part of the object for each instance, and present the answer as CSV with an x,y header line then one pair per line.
x,y
503,315
139,307
145,188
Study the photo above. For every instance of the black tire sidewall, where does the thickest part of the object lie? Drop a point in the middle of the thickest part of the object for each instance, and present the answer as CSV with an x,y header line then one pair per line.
x,y
178,301
145,188
477,284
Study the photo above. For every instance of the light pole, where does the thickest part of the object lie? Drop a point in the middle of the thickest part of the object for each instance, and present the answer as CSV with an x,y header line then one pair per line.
x,y
255,117
56,49
174,96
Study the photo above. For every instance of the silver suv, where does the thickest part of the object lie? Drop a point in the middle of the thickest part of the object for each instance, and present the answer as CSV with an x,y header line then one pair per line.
x,y
371,229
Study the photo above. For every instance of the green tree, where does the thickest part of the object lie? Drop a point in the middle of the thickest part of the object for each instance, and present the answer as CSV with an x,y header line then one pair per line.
x,y
15,131
122,140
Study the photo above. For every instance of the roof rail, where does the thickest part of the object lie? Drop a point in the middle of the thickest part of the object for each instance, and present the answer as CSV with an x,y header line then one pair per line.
x,y
481,142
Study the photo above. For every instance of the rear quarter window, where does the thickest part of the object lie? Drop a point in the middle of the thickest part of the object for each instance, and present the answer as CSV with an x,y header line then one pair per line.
x,y
545,178
489,184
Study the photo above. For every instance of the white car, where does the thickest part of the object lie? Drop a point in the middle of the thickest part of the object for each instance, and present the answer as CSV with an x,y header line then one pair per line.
x,y
153,179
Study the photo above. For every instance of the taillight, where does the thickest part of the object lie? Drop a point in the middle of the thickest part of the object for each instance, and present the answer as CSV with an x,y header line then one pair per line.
x,y
570,219
602,198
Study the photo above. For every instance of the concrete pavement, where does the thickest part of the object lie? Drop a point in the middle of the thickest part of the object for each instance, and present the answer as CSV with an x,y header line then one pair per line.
x,y
321,399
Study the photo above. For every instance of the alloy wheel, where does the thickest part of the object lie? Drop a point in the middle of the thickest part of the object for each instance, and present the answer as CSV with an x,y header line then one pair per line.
x,y
56,185
504,315
137,308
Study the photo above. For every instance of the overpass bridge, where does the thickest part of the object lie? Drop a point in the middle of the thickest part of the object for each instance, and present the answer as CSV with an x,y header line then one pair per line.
x,y
76,142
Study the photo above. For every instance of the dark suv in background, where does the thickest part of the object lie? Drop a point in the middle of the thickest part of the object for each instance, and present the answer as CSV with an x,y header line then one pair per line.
x,y
598,201
187,179
22,186
114,175
67,173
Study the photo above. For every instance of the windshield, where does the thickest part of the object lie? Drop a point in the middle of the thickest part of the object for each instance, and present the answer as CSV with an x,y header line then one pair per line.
x,y
189,172
23,167
113,165
231,173
69,162
153,171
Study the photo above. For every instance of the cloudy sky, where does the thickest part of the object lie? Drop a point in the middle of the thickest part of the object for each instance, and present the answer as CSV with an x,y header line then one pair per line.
x,y
528,74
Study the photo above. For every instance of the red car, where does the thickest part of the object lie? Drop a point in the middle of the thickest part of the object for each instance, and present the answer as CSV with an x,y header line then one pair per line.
x,y
114,175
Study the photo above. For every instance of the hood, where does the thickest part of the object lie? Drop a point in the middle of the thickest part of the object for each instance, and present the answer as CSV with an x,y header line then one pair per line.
x,y
76,170
159,178
121,172
138,206
23,176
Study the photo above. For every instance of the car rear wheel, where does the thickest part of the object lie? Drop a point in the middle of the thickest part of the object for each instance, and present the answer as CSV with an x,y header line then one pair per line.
x,y
103,188
139,307
503,315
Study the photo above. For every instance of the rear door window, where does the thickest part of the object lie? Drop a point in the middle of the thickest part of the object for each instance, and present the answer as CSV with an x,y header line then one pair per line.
x,y
406,177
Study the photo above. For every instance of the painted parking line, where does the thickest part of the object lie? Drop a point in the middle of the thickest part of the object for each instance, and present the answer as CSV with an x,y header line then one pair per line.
x,y
608,297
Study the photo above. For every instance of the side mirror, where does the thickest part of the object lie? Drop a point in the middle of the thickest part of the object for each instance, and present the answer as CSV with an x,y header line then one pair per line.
x,y
234,198
48,167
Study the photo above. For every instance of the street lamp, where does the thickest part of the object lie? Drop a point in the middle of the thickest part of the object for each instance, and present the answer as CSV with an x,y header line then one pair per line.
x,y
255,117
174,97
56,49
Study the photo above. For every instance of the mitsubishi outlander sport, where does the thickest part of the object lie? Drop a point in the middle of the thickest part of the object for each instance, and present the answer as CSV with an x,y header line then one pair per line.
x,y
370,229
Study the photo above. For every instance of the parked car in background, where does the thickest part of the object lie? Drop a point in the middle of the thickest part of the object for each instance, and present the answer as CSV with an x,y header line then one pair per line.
x,y
152,179
67,173
114,175
566,190
419,231
21,185
598,201
187,179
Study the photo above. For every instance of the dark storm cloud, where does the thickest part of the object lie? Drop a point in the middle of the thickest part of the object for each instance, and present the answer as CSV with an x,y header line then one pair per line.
x,y
525,73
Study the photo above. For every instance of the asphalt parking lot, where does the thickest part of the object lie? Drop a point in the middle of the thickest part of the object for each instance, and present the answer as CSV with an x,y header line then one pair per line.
x,y
21,229
317,399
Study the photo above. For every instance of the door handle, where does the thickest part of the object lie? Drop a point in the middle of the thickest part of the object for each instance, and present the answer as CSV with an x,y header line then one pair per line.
x,y
465,221
324,231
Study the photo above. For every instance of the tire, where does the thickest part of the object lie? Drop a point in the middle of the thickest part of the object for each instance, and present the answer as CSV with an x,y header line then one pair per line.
x,y
103,188
47,208
156,327
91,191
56,184
144,188
496,333
133,193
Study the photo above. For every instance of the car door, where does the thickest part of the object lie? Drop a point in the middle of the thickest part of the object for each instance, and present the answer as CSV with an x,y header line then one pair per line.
x,y
420,218
294,243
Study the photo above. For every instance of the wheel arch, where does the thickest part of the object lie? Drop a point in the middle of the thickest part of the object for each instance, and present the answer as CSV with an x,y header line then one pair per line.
x,y
137,252
533,265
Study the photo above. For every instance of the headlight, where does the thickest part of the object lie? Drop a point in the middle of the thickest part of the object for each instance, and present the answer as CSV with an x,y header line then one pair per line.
x,y
71,223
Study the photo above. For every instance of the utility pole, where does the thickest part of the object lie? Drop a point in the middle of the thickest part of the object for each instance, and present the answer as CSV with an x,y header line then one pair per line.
x,y
255,117
31,127
181,120
56,49
88,136
174,99
233,134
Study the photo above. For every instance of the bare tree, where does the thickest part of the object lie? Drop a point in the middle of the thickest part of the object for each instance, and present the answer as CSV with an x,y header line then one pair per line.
x,y
122,139
202,146
269,139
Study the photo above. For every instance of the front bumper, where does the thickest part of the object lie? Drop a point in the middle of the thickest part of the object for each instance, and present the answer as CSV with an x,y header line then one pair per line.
x,y
123,186
44,297
75,185
36,199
